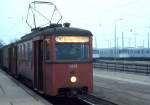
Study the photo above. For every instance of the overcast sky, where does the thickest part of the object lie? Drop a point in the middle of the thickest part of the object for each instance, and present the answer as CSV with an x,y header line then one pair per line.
x,y
132,17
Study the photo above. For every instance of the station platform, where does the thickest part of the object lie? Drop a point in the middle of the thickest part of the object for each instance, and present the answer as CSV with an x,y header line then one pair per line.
x,y
13,92
122,88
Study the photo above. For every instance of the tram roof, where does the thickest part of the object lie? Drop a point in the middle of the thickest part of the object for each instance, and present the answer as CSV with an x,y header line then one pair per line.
x,y
47,31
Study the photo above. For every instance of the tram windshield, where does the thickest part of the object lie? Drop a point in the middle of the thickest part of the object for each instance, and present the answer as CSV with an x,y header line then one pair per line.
x,y
74,51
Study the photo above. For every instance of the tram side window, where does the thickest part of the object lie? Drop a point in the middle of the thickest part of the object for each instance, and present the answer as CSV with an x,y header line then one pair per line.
x,y
29,51
18,51
24,54
21,51
47,50
13,52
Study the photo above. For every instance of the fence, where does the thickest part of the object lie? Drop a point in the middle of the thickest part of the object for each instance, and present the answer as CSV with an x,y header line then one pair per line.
x,y
123,66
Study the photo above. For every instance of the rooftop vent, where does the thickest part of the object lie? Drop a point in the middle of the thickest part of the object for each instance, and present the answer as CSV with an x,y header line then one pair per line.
x,y
66,24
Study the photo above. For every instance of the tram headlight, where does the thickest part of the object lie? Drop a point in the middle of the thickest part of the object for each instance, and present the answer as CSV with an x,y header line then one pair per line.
x,y
73,79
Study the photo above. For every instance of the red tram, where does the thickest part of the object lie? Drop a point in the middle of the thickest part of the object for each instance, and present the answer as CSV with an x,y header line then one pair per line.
x,y
53,60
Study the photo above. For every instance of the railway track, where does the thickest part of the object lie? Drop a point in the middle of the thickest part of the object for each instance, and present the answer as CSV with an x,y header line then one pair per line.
x,y
66,101
93,100
82,100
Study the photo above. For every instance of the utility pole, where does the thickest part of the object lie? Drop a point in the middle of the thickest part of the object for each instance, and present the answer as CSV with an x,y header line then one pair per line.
x,y
143,43
115,43
129,42
122,40
107,43
95,42
110,43
135,41
148,39
115,38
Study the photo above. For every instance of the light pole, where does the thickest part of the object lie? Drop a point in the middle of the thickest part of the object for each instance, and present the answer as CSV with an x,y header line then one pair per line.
x,y
115,37
148,39
99,44
132,31
135,40
108,46
115,41
122,40
95,42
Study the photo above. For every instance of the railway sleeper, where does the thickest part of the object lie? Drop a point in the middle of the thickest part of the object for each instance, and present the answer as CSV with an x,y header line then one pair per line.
x,y
72,92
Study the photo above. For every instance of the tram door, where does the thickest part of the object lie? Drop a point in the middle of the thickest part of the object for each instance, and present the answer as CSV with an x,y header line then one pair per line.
x,y
15,58
14,61
38,65
9,60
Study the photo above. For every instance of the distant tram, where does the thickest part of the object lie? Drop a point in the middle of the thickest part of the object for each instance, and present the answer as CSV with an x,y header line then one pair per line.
x,y
125,53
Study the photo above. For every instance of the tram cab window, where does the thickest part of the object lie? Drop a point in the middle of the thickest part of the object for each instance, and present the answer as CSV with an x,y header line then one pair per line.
x,y
72,51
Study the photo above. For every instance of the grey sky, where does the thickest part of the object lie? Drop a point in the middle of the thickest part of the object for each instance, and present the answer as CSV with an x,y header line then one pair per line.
x,y
98,16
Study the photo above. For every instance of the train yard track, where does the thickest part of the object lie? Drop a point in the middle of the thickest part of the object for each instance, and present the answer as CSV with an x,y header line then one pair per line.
x,y
93,100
